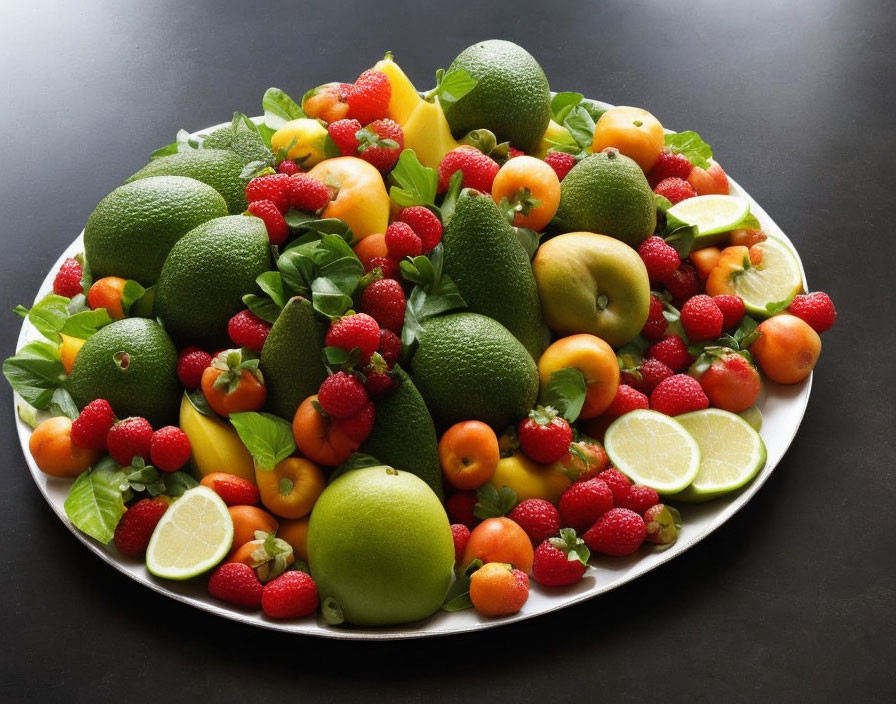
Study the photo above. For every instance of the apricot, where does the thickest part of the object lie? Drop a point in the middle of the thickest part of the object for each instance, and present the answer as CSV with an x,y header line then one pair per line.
x,y
295,532
247,520
54,453
500,540
290,489
498,590
532,187
106,293
633,131
469,454
594,358
787,348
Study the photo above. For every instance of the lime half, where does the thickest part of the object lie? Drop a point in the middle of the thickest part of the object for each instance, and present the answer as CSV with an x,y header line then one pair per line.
x,y
193,536
711,214
776,279
653,449
731,453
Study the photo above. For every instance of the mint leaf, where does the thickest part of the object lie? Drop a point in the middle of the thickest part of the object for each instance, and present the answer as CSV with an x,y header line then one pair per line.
x,y
199,402
682,239
562,104
177,483
494,502
86,323
35,372
268,437
94,504
279,108
415,184
691,146
62,404
566,392
581,126
264,308
271,282
48,315
451,86
328,299
449,203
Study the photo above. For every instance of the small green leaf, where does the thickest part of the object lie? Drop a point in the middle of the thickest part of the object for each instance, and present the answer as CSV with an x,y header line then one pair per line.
x,y
86,323
94,504
27,414
493,502
451,86
528,238
263,307
48,315
328,299
415,184
268,438
177,483
256,168
566,392
130,294
662,203
279,108
62,404
271,282
691,146
581,126
35,372
682,239
200,403
562,104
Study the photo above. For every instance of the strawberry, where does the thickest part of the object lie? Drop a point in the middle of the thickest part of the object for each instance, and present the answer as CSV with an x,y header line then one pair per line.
x,y
191,362
368,99
678,394
459,507
669,164
817,309
272,187
560,162
619,532
479,170
92,425
560,561
674,189
236,583
233,490
291,595
544,436
402,241
584,502
649,373
537,517
732,308
169,449
461,535
619,484
308,193
358,426
425,224
342,395
626,399
355,330
388,267
656,324
701,318
384,301
660,258
129,438
380,144
389,347
135,528
67,281
671,351
683,283
377,383
273,219
344,136
288,167
248,330
639,498
661,524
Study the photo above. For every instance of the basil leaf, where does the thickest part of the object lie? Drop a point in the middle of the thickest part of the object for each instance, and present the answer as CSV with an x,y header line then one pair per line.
x,y
271,282
565,392
94,504
328,299
562,104
451,195
48,315
62,404
86,323
130,294
35,372
581,126
279,108
268,438
177,483
690,145
453,86
415,184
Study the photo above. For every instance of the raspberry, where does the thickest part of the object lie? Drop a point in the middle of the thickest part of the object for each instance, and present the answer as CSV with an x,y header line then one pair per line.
x,y
560,162
402,241
678,394
544,436
389,347
626,399
291,595
368,99
671,351
683,283
701,318
377,383
236,583
640,498
129,438
357,330
425,224
169,449
92,425
191,362
584,502
342,395
459,507
233,490
273,219
479,170
67,281
343,132
288,167
461,535
558,561
674,189
248,330
381,143
383,300
619,532
513,151
651,372
272,187
388,267
656,323
669,164
537,517
660,258
135,528
732,308
308,193
358,426
816,309
619,484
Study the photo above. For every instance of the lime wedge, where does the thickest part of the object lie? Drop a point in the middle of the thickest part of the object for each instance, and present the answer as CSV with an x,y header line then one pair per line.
x,y
731,453
653,449
193,536
774,280
711,214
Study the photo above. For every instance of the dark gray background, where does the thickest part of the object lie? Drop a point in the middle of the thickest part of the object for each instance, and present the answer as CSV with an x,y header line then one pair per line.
x,y
792,600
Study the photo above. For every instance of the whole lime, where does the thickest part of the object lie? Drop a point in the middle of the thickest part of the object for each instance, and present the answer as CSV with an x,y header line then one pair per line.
x,y
380,547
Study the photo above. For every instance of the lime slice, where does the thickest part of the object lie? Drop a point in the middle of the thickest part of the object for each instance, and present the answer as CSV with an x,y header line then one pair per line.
x,y
193,536
774,280
653,449
711,214
731,453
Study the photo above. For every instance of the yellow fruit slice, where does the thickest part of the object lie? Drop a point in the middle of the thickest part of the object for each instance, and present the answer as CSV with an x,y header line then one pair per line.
x,y
428,134
216,446
775,279
711,214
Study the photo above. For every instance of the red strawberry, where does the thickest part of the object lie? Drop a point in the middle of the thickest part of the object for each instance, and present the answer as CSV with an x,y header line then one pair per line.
x,y
388,267
656,324
514,152
92,425
288,167
626,399
459,507
356,330
544,436
678,394
640,498
584,502
660,258
402,241
272,187
560,561
67,281
560,162
191,362
344,135
660,524
732,308
169,449
389,347
377,383
479,170
619,484
651,372
342,395
701,318
683,283
308,193
384,301
674,189
273,219
669,164
817,309
380,144
236,583
368,99
248,330
461,535
291,595
671,351
129,438
425,224
619,532
358,426
135,528
537,517
233,490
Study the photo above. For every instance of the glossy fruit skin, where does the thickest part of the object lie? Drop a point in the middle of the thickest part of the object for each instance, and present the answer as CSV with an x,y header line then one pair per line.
x,y
54,453
633,131
291,595
541,182
498,590
362,201
529,479
544,436
594,358
704,260
310,141
295,532
787,349
500,540
371,247
318,438
596,460
247,520
709,181
469,454
327,102
106,293
215,444
291,488
68,350
233,490
731,383
249,395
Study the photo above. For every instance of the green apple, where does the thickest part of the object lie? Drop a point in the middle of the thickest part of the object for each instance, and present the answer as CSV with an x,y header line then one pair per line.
x,y
594,284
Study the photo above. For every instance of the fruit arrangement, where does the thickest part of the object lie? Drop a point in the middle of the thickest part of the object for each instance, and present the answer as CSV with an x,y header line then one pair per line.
x,y
381,352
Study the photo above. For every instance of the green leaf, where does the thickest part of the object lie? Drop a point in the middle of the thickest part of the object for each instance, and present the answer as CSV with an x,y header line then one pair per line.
x,y
268,438
565,392
35,372
164,151
357,460
451,86
86,323
263,307
328,299
177,483
662,203
581,126
62,404
562,104
415,184
691,146
493,502
449,203
682,239
130,294
198,400
279,108
749,222
94,504
458,596
48,315
271,282
256,168
528,238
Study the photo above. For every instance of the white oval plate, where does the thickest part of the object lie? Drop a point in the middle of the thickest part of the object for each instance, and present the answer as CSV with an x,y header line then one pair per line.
x,y
782,409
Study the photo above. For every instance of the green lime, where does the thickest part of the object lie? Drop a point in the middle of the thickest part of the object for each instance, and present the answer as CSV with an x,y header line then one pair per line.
x,y
731,453
775,280
194,535
753,416
711,214
380,547
653,449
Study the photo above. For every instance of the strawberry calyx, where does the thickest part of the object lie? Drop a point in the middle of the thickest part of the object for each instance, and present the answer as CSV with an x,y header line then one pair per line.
x,y
543,415
572,545
232,363
271,558
368,139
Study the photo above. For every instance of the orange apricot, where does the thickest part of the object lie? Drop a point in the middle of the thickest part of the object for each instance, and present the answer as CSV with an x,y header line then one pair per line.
x,y
53,451
498,590
318,438
370,247
704,260
500,540
591,356
469,454
787,348
295,532
290,489
106,293
247,520
633,131
531,186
